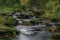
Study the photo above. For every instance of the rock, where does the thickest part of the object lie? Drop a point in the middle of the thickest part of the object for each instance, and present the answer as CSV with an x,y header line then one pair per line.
x,y
56,36
25,23
10,21
34,22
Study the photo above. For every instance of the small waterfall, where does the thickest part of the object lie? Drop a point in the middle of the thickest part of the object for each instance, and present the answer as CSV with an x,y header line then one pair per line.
x,y
15,16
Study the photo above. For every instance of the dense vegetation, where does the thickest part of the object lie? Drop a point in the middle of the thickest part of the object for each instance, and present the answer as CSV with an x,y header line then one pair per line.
x,y
7,29
43,9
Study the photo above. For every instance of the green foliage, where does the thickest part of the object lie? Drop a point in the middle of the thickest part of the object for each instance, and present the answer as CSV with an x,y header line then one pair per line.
x,y
43,9
8,32
48,15
6,9
9,5
48,29
57,11
10,21
31,22
6,29
52,8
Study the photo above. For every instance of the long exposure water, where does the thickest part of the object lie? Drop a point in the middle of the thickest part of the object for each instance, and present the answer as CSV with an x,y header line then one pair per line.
x,y
41,35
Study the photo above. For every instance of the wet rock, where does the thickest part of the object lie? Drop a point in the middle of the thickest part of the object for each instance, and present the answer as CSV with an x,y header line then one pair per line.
x,y
56,20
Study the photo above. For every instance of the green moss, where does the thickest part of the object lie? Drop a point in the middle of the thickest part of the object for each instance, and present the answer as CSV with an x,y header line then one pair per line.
x,y
2,20
48,15
31,22
26,23
11,21
6,9
56,36
47,29
34,22
8,32
8,20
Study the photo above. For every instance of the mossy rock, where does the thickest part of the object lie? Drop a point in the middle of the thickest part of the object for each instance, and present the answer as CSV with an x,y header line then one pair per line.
x,y
34,22
56,36
31,22
8,20
2,20
8,32
51,29
11,21
25,23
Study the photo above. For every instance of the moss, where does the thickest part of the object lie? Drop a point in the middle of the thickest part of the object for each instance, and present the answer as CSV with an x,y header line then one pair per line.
x,y
8,32
31,22
47,16
11,21
47,22
56,36
34,22
52,29
26,23
8,20
6,9
2,20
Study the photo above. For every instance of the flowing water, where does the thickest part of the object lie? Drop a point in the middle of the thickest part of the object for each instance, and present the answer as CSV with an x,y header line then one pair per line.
x,y
42,35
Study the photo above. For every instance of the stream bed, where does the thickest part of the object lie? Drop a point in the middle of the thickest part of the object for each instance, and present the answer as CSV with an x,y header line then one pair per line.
x,y
41,35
